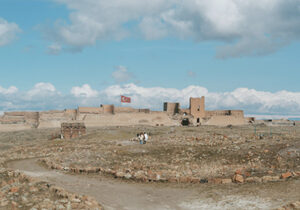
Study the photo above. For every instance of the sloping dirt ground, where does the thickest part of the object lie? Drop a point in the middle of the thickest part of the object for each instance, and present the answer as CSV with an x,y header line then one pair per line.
x,y
173,153
116,194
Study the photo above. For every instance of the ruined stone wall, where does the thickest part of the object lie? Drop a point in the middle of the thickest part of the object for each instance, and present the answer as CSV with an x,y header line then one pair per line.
x,y
197,107
277,122
26,118
171,108
236,113
130,110
53,119
25,114
92,117
144,110
187,111
250,119
129,119
125,110
72,130
71,112
222,120
108,109
109,115
90,110
12,119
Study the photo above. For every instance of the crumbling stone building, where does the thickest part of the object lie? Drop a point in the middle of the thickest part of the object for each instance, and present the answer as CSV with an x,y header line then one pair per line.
x,y
199,115
197,108
72,130
171,108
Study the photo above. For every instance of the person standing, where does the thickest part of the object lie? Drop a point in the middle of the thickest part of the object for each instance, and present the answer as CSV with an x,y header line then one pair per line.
x,y
145,137
141,138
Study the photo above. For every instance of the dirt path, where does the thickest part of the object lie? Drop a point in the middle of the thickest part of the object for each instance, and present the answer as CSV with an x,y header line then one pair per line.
x,y
116,194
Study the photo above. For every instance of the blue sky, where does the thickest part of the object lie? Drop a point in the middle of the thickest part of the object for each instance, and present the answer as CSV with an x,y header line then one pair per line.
x,y
58,46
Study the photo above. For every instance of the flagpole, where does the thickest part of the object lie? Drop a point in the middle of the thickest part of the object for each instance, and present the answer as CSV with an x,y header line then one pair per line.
x,y
121,100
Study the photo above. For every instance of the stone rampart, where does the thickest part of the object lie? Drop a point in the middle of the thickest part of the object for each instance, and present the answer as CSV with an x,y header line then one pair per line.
x,y
171,108
236,113
71,112
130,110
53,119
90,110
108,109
125,110
127,119
26,118
222,120
109,115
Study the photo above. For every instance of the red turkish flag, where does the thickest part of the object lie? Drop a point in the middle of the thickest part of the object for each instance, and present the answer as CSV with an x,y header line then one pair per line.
x,y
125,99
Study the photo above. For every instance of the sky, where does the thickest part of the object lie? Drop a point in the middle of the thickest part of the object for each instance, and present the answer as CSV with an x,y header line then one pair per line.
x,y
240,54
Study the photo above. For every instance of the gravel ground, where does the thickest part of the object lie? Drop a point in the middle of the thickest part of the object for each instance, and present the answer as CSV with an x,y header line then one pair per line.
x,y
179,158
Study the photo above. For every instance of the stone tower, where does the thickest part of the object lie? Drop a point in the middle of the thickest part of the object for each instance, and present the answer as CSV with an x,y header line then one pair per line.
x,y
197,108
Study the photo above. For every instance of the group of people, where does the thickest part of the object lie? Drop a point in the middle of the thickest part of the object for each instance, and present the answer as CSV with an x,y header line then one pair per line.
x,y
143,137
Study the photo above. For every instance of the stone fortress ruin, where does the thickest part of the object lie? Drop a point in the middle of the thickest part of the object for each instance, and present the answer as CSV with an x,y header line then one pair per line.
x,y
197,115
110,115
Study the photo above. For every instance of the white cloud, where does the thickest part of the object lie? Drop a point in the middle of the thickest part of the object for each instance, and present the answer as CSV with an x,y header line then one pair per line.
x,y
54,49
121,74
250,100
41,96
84,91
248,27
153,97
254,101
152,28
42,89
44,96
10,90
8,32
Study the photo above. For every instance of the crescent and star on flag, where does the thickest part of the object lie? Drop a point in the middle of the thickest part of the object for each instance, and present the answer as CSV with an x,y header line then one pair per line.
x,y
125,99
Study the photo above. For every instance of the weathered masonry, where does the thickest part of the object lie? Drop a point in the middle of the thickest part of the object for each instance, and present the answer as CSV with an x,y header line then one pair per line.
x,y
110,115
198,115
72,130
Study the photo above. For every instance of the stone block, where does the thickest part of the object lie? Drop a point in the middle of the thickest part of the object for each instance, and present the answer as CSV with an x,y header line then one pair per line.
x,y
14,189
286,175
270,178
226,181
253,179
238,178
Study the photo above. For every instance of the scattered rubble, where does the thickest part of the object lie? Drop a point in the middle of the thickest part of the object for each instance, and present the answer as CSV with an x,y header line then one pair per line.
x,y
196,155
291,206
18,191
